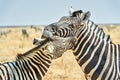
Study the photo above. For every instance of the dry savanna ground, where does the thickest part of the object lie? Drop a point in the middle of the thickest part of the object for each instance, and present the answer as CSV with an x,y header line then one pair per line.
x,y
64,68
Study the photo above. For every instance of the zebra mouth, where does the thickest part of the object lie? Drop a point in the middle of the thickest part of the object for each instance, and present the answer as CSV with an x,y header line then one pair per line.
x,y
37,41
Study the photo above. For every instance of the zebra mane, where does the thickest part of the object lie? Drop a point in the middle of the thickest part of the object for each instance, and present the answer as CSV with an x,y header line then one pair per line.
x,y
94,27
42,43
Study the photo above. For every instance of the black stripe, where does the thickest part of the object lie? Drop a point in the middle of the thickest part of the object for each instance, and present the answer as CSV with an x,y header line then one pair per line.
x,y
12,71
103,35
6,69
22,68
94,28
0,77
66,32
115,62
119,55
79,39
15,69
101,65
97,29
59,33
95,59
91,24
85,58
21,72
30,71
109,65
35,69
85,48
100,32
108,38
27,69
111,73
42,62
41,59
44,56
2,71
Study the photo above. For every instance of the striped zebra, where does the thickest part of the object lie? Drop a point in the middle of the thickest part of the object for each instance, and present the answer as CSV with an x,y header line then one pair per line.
x,y
64,28
90,24
34,64
98,58
56,29
99,31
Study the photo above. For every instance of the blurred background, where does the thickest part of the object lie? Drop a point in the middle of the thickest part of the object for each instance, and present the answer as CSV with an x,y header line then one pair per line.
x,y
42,12
21,21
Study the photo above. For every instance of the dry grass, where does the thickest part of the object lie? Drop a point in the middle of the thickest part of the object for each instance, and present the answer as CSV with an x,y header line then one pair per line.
x,y
64,68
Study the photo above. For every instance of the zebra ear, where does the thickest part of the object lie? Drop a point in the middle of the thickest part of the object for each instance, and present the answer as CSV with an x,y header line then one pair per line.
x,y
77,13
85,16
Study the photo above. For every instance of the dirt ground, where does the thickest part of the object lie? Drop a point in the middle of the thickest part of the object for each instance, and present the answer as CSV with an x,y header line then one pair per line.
x,y
64,68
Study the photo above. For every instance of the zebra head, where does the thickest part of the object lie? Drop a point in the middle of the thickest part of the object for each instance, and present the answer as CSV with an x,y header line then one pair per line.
x,y
58,45
67,25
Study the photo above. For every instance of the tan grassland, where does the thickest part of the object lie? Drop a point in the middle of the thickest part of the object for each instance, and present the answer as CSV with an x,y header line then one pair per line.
x,y
64,68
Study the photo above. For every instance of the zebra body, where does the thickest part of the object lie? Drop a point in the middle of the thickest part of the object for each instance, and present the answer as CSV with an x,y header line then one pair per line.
x,y
31,68
95,53
97,58
34,64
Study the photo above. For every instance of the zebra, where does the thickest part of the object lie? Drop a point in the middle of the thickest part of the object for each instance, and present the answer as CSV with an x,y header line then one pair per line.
x,y
98,58
4,32
34,64
61,28
90,24
25,33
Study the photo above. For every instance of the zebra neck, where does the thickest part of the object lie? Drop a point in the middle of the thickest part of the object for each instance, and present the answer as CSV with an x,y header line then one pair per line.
x,y
91,25
87,40
98,31
36,65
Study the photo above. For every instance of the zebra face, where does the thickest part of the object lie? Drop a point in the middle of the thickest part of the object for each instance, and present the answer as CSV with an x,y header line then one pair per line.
x,y
49,30
67,26
59,45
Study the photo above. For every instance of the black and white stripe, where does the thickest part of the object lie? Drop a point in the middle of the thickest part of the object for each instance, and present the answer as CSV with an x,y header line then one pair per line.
x,y
30,67
95,52
91,25
69,30
97,58
97,30
34,64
